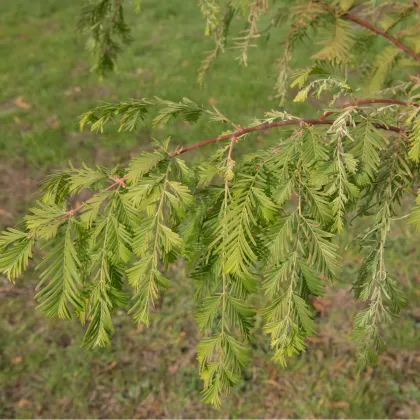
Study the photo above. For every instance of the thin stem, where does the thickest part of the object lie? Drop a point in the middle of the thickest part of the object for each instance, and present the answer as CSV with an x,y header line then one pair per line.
x,y
386,35
372,28
232,142
225,204
158,216
300,197
285,123
102,280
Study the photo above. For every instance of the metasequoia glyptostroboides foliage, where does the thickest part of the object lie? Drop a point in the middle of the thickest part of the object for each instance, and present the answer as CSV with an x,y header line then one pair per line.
x,y
263,223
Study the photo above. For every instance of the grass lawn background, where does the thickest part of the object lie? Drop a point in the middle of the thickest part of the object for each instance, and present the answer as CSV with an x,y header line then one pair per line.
x,y
45,85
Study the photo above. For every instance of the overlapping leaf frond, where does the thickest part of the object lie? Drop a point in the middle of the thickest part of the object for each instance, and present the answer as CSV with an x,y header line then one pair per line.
x,y
249,35
155,239
267,221
304,17
227,267
104,21
381,67
339,46
60,278
330,77
16,250
415,214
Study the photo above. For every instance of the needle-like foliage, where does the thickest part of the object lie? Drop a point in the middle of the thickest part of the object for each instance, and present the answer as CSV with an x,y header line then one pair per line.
x,y
267,221
264,223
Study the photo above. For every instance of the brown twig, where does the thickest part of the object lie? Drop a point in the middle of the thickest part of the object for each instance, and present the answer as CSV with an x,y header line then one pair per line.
x,y
372,28
232,142
385,34
260,127
371,101
240,132
118,182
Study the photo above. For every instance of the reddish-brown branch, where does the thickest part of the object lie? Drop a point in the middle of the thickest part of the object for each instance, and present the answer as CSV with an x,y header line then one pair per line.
x,y
372,28
385,34
260,127
118,181
233,137
370,101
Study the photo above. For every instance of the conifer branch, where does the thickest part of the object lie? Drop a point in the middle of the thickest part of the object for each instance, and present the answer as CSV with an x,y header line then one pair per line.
x,y
385,34
374,29
145,228
241,131
229,221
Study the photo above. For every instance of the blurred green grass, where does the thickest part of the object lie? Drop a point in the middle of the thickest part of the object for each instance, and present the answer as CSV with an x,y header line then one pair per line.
x,y
48,69
46,85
